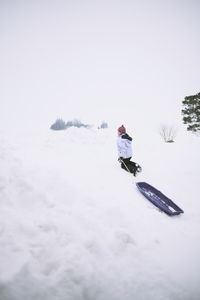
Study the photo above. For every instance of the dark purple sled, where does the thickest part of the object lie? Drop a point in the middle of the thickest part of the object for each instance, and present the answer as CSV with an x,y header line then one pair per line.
x,y
159,199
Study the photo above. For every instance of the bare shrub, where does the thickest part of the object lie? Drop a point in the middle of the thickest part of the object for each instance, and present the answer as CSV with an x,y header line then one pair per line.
x,y
168,133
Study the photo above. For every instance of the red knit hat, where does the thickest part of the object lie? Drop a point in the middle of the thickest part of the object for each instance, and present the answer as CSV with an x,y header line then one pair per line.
x,y
121,129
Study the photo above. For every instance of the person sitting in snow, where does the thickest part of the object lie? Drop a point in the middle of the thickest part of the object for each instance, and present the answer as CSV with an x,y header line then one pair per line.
x,y
124,146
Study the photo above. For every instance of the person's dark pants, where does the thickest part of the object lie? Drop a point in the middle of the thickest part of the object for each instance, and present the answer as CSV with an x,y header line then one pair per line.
x,y
128,165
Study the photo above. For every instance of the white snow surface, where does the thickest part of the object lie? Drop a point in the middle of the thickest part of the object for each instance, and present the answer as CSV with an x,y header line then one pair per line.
x,y
74,226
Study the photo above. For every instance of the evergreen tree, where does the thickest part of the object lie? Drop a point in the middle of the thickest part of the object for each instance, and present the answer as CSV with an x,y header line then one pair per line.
x,y
58,125
191,112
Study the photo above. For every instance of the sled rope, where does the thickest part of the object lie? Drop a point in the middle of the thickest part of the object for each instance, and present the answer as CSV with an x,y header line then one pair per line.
x,y
125,166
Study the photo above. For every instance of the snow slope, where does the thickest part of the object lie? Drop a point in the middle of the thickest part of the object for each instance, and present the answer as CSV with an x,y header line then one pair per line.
x,y
74,226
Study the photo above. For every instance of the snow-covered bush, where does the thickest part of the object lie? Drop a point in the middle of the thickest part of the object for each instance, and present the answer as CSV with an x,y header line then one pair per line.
x,y
69,124
61,125
58,125
103,125
76,123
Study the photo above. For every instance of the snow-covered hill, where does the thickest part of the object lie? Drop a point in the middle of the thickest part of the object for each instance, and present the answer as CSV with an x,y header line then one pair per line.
x,y
74,226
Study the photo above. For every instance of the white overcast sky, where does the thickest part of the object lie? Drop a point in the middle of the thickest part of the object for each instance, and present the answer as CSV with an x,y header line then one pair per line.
x,y
98,60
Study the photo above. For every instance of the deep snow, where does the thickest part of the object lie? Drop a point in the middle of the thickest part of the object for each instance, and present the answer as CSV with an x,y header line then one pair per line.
x,y
74,226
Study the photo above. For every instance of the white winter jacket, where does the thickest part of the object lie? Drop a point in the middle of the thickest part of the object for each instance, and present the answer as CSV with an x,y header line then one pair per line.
x,y
124,146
